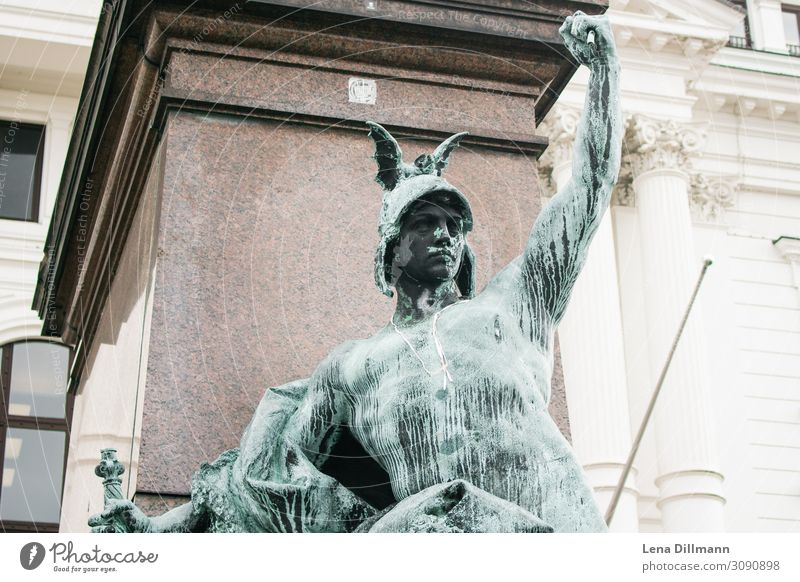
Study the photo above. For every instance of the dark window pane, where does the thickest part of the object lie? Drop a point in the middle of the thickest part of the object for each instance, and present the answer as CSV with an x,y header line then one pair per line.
x,y
19,172
32,474
38,379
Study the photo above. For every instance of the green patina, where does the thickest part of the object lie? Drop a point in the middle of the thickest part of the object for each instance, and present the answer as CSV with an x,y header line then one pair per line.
x,y
449,400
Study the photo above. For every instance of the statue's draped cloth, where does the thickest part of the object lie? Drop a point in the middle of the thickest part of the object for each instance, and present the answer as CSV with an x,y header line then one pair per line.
x,y
269,484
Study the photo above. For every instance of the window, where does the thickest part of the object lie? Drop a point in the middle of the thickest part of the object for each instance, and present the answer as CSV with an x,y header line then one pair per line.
x,y
34,431
791,28
740,36
20,170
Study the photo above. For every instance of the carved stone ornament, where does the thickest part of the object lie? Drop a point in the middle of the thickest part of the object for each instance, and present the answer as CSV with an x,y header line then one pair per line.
x,y
655,144
652,144
560,127
623,194
711,196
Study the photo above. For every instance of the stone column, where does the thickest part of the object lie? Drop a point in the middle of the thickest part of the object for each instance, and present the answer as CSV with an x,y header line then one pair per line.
x,y
689,481
592,354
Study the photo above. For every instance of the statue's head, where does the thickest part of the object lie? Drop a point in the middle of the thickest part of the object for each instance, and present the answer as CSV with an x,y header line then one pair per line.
x,y
424,219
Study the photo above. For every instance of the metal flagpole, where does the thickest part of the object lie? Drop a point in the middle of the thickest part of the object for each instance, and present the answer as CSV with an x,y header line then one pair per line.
x,y
648,413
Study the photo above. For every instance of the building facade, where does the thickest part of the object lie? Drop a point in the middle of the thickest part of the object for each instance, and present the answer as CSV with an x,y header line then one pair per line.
x,y
212,263
712,100
44,55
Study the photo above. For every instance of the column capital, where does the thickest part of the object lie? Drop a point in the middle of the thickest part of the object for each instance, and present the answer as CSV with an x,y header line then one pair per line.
x,y
560,127
654,144
711,196
623,194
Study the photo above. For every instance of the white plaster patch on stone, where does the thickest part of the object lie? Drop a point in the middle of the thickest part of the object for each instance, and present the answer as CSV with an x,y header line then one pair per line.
x,y
363,91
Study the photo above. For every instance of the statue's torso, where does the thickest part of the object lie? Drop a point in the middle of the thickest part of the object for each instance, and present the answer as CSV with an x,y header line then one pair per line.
x,y
489,425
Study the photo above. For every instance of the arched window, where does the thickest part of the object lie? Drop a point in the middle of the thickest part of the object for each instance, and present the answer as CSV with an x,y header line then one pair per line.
x,y
35,411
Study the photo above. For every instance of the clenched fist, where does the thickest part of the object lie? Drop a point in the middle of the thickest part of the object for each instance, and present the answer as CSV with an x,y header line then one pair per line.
x,y
589,38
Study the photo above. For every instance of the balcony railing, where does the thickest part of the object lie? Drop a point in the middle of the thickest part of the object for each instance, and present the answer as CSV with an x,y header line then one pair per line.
x,y
741,42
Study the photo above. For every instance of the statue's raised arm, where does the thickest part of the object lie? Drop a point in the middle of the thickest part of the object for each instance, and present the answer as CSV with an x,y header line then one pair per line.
x,y
559,240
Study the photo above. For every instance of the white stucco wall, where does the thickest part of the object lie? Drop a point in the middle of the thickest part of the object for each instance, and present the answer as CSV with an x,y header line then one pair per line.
x,y
747,105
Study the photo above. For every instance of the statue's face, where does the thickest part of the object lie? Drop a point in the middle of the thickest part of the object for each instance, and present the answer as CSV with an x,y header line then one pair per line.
x,y
431,243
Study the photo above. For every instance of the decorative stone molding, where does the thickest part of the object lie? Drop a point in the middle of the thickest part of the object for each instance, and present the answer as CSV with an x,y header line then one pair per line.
x,y
789,247
623,194
560,128
653,144
656,144
711,196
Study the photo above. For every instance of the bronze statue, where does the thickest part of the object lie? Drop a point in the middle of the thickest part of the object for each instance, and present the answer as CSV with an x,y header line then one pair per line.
x,y
449,399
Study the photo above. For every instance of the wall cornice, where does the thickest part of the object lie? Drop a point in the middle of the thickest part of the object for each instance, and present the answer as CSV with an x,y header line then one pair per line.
x,y
48,26
751,84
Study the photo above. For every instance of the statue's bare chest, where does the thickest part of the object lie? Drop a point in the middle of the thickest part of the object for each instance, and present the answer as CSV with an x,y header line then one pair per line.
x,y
472,357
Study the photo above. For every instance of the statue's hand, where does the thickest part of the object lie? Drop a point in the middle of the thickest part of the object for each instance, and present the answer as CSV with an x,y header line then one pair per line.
x,y
575,32
121,517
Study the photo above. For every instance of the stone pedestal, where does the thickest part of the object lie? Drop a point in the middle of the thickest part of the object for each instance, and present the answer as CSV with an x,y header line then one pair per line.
x,y
267,210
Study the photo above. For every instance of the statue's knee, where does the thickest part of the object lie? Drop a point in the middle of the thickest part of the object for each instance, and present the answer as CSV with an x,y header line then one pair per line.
x,y
457,488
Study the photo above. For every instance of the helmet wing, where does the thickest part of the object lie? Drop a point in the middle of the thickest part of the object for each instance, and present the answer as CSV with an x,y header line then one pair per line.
x,y
442,154
388,155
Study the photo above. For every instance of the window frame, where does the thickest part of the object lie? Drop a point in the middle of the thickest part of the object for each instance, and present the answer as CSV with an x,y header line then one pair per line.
x,y
794,9
748,35
38,170
8,421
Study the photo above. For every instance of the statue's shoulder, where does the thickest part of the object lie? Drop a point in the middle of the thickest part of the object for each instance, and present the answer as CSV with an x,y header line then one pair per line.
x,y
505,281
344,350
341,358
352,357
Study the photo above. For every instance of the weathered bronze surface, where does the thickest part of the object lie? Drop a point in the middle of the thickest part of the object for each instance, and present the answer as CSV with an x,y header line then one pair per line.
x,y
439,421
